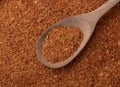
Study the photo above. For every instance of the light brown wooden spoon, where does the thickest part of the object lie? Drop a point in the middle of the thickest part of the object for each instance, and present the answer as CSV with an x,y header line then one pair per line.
x,y
86,22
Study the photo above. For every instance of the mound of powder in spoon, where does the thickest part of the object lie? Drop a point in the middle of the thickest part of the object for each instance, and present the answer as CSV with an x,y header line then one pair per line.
x,y
61,43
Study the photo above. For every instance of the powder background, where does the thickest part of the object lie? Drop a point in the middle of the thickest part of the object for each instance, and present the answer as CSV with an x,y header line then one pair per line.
x,y
21,23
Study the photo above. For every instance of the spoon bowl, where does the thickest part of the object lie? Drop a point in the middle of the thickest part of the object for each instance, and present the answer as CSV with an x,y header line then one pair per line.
x,y
72,22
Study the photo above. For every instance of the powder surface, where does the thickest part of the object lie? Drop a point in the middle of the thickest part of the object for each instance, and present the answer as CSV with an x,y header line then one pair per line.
x,y
61,43
23,21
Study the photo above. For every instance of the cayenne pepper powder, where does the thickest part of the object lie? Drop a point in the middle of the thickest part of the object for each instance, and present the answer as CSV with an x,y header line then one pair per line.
x,y
61,43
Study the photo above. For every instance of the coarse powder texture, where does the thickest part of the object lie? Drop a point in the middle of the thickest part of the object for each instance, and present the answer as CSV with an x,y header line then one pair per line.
x,y
61,43
23,21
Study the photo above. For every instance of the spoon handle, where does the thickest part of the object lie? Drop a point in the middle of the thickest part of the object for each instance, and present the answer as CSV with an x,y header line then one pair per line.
x,y
105,8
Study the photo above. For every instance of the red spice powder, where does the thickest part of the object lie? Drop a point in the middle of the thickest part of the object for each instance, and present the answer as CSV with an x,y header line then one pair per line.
x,y
21,23
61,43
